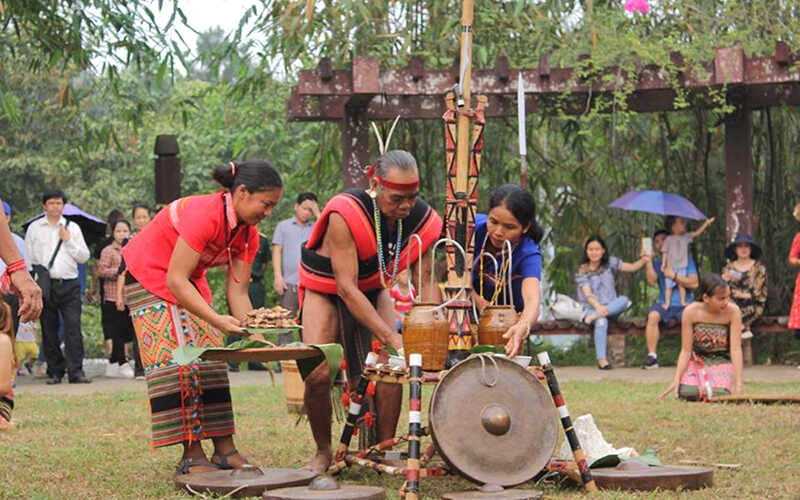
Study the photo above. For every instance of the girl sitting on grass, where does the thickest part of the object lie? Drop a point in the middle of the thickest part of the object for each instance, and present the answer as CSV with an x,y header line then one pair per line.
x,y
7,366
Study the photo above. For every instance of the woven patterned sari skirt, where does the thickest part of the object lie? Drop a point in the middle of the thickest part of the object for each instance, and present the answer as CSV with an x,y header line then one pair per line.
x,y
187,403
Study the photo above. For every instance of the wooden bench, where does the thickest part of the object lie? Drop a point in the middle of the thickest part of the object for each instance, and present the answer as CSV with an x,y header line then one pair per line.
x,y
620,327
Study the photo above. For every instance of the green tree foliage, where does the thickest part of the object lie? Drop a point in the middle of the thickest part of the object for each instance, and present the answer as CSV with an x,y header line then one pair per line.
x,y
88,86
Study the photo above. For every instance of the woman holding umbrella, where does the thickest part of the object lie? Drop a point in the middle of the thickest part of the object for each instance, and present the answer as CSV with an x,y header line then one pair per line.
x,y
170,303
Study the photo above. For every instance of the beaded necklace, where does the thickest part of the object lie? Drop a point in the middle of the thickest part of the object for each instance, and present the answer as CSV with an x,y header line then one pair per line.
x,y
379,237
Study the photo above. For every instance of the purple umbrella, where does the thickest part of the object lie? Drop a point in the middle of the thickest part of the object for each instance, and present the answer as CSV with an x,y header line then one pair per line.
x,y
93,228
658,202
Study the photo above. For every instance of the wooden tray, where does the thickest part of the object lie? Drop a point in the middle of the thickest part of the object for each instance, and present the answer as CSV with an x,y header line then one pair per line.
x,y
758,398
261,354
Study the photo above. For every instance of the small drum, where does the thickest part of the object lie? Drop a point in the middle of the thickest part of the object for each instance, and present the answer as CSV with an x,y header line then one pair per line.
x,y
426,331
493,421
293,387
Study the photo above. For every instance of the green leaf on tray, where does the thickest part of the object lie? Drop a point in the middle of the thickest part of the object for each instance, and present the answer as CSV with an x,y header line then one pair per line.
x,y
495,349
333,353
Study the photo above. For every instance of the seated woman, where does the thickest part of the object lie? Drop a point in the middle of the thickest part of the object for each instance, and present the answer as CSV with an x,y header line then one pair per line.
x,y
511,218
710,362
597,292
747,278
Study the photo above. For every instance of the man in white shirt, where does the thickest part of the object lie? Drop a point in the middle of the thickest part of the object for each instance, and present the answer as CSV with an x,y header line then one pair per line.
x,y
41,240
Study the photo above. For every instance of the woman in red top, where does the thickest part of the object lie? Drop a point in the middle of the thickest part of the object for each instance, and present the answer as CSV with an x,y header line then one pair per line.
x,y
794,261
170,303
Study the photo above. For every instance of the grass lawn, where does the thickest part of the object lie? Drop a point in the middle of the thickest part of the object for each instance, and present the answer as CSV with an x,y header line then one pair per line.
x,y
97,446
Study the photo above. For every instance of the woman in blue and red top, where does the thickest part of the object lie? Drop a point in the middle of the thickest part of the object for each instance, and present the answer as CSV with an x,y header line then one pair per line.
x,y
511,217
170,304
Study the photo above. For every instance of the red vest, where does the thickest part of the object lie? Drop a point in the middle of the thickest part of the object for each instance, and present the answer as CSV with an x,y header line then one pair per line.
x,y
355,207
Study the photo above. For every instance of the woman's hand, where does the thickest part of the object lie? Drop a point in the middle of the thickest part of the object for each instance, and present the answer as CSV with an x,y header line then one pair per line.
x,y
673,388
228,325
120,305
515,335
602,311
30,296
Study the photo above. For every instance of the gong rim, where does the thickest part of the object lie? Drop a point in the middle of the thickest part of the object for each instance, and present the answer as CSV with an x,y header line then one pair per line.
x,y
506,446
247,483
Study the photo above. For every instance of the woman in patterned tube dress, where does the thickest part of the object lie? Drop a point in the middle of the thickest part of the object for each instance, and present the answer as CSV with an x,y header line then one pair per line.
x,y
170,304
710,361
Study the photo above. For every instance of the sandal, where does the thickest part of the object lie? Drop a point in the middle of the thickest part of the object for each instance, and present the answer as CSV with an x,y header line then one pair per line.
x,y
185,465
223,459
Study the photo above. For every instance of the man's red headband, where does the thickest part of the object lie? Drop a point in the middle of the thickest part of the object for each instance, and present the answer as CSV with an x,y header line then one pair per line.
x,y
400,186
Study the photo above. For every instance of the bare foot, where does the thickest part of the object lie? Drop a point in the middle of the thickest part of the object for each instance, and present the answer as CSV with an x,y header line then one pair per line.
x,y
590,319
320,463
5,424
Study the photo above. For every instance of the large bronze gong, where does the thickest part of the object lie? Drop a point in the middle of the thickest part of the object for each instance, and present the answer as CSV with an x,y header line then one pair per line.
x,y
493,421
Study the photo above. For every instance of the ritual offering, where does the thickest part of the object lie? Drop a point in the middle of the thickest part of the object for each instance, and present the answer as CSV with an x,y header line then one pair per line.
x,y
269,318
426,331
245,482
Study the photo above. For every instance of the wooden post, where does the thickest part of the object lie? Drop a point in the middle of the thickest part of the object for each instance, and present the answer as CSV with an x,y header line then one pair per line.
x,y
739,185
167,169
355,148
738,172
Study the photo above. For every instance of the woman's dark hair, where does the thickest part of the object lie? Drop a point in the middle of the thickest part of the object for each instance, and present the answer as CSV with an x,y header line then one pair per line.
x,y
255,175
123,221
522,206
113,216
396,158
140,206
709,285
597,238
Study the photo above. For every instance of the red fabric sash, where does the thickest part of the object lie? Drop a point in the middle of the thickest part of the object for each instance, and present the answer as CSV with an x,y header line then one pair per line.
x,y
360,224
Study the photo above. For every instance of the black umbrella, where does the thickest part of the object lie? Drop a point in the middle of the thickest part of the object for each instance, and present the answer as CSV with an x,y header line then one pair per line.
x,y
93,228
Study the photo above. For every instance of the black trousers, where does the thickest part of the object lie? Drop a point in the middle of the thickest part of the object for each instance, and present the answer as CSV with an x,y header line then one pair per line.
x,y
118,327
65,298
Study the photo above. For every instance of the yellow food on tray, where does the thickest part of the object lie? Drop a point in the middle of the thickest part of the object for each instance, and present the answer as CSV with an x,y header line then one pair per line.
x,y
273,317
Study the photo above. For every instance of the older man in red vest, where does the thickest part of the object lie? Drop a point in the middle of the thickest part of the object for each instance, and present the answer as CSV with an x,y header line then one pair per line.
x,y
362,239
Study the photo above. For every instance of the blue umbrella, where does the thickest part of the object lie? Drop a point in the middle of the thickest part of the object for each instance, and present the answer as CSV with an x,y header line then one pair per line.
x,y
658,202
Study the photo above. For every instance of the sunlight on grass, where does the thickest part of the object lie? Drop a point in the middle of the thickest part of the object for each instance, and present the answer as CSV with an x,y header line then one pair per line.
x,y
98,446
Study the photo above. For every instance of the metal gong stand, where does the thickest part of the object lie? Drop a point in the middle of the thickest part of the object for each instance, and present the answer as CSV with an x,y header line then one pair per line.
x,y
490,420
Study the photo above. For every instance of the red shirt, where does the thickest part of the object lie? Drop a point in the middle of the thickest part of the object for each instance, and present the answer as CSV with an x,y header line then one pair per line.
x,y
201,222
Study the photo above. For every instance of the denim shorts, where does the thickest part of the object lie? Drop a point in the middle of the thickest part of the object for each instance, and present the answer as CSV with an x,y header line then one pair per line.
x,y
669,314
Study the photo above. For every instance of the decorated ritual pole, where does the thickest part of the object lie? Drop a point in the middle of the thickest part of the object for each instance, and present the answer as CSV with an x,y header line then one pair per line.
x,y
463,155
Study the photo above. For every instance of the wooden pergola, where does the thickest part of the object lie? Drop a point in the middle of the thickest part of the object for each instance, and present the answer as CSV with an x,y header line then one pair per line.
x,y
363,93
